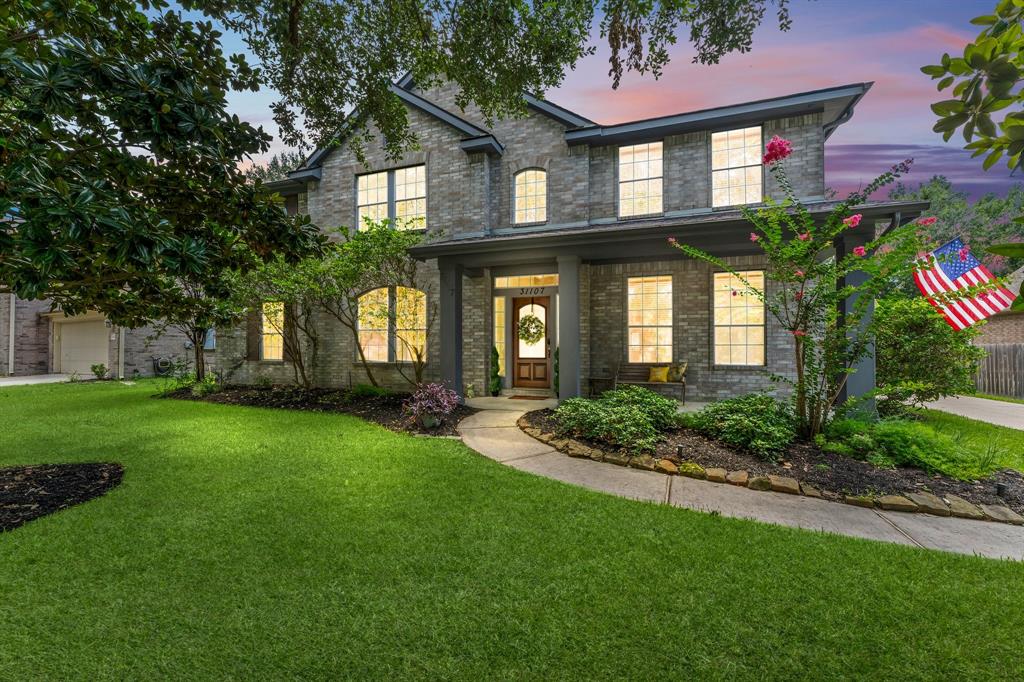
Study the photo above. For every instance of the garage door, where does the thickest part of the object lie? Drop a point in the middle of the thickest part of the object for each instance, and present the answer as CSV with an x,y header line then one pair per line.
x,y
82,345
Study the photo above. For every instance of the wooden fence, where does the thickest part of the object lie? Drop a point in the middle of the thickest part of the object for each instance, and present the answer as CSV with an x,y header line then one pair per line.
x,y
1002,372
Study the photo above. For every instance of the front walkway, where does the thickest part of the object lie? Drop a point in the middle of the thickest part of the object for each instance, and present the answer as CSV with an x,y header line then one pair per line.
x,y
36,379
992,411
494,434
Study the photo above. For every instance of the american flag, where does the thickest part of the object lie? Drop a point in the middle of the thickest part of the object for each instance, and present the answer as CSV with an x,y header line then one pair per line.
x,y
952,267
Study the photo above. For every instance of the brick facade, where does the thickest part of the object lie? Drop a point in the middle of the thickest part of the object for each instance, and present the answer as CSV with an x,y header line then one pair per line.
x,y
1006,327
471,196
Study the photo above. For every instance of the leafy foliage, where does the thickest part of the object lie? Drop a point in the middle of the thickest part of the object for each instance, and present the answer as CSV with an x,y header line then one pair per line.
x,y
432,400
492,51
983,81
631,418
275,169
896,442
494,382
919,357
754,423
118,163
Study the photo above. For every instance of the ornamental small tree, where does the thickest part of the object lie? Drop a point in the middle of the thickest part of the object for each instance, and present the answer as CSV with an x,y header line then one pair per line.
x,y
808,281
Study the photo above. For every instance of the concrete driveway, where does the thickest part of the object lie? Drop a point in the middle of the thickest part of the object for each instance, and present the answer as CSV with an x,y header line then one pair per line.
x,y
992,411
36,379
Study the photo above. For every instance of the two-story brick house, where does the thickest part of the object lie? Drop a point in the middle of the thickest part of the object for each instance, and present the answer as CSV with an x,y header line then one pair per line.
x,y
558,217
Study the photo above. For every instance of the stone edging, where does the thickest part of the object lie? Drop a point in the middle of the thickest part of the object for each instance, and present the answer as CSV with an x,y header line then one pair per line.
x,y
920,502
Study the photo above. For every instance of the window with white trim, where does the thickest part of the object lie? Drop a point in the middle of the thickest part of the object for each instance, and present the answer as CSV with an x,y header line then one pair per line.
x,y
649,311
392,324
739,320
640,179
272,331
736,172
399,194
499,332
531,196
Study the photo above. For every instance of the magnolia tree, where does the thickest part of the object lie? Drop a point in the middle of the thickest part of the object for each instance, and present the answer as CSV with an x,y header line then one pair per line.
x,y
822,296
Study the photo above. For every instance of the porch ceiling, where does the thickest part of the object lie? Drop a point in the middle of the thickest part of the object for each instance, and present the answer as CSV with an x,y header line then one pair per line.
x,y
723,233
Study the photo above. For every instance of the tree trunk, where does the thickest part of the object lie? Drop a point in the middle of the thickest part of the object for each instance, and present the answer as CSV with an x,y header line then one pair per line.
x,y
198,339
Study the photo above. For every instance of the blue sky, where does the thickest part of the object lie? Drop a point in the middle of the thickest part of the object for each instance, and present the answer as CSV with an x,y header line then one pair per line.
x,y
832,42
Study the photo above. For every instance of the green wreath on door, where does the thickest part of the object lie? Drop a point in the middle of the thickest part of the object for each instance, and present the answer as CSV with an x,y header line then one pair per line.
x,y
530,329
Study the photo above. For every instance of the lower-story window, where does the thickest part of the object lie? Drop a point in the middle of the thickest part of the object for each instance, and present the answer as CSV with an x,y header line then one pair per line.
x,y
739,321
393,324
272,331
649,309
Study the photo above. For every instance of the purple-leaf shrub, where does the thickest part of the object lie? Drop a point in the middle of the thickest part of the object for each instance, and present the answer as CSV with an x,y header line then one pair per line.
x,y
432,400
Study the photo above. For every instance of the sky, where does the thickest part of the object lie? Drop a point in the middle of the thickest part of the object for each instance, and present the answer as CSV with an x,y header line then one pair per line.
x,y
831,42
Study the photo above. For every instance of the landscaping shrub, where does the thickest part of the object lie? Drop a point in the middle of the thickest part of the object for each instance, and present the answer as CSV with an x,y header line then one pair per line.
x,y
899,442
367,391
431,404
754,423
630,418
100,370
206,386
920,357
494,382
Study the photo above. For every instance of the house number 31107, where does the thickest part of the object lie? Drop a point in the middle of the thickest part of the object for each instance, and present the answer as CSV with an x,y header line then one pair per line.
x,y
531,291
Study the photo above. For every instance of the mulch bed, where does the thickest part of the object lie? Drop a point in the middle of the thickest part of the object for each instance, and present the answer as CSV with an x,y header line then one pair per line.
x,y
28,492
832,474
388,411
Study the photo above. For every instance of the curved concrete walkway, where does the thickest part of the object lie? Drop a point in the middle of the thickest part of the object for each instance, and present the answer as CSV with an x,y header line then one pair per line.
x,y
494,434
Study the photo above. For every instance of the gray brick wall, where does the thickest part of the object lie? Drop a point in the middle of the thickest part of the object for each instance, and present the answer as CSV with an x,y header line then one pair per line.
x,y
692,329
806,166
31,336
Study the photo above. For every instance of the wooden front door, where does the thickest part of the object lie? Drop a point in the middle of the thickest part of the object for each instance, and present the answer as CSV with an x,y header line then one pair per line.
x,y
531,362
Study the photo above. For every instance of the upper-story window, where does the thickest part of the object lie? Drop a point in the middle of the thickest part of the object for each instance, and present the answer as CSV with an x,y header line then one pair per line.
x,y
531,196
399,194
640,176
736,167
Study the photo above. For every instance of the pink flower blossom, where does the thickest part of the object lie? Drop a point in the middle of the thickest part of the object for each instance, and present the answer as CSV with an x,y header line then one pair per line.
x,y
931,220
852,221
777,149
804,236
734,293
754,237
859,251
798,332
672,241
799,273
798,295
963,254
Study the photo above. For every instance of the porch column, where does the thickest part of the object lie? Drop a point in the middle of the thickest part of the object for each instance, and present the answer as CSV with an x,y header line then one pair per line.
x,y
451,326
568,327
862,381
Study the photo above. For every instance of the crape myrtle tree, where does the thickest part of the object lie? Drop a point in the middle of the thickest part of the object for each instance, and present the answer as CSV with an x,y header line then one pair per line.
x,y
377,257
807,282
325,58
118,168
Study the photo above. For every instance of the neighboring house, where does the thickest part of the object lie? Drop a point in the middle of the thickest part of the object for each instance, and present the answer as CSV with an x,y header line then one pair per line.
x,y
556,216
48,342
1008,325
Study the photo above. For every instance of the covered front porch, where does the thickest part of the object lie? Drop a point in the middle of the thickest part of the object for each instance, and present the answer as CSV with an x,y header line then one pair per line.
x,y
580,283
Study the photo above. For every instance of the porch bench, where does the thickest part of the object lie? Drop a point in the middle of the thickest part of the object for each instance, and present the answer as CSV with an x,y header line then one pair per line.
x,y
638,374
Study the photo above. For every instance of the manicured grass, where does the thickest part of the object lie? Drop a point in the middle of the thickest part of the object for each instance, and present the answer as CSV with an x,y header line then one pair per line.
x,y
257,544
1000,398
1003,445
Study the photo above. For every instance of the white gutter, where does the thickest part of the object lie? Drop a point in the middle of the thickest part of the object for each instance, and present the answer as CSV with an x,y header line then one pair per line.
x,y
120,353
10,339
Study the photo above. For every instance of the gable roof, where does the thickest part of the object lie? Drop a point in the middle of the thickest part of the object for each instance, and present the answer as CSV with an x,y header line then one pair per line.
x,y
836,104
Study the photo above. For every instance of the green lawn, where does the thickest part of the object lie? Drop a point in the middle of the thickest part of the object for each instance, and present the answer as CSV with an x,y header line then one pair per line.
x,y
1003,445
1000,398
255,544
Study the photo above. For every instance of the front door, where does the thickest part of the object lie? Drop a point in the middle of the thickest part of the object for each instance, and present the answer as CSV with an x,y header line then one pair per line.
x,y
532,358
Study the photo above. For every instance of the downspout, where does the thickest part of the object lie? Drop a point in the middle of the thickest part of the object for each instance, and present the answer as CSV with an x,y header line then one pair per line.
x,y
10,339
120,353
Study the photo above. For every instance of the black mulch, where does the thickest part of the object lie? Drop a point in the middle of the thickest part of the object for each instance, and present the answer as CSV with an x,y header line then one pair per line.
x,y
28,492
388,411
832,474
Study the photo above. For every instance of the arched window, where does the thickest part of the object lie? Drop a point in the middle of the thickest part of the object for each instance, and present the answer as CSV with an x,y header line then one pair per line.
x,y
531,197
393,325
